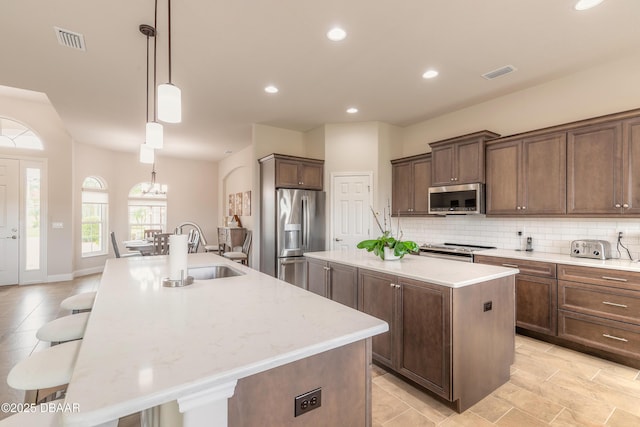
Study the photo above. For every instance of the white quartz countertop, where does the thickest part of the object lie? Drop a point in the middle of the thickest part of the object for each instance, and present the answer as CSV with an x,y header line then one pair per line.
x,y
146,344
453,274
614,264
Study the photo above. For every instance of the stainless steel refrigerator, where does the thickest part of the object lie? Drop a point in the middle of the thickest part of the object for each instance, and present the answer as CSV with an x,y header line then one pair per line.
x,y
299,227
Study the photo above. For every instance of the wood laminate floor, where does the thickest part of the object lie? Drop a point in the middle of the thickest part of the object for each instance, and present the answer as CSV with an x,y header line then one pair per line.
x,y
549,385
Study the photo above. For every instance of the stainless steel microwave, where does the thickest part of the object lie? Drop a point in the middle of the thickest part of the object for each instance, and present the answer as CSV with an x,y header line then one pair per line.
x,y
460,199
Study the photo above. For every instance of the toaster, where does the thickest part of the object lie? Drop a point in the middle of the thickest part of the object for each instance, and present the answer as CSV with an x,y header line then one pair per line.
x,y
597,249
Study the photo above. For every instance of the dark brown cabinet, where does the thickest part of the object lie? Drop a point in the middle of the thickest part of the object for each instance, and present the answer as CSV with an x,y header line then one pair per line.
x,y
295,172
536,292
418,343
527,176
595,169
332,280
459,160
600,308
411,179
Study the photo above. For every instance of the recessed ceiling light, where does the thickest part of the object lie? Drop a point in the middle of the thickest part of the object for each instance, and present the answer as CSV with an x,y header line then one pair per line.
x,y
271,89
429,74
352,110
336,34
586,4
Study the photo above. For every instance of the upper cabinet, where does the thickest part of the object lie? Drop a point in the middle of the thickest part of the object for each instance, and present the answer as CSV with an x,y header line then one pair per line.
x,y
459,160
296,172
411,179
527,176
603,163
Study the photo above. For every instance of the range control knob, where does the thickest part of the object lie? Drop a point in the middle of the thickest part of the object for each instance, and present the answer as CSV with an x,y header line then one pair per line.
x,y
576,251
596,253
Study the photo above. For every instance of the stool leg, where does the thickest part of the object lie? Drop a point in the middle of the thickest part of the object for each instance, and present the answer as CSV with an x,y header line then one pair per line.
x,y
31,396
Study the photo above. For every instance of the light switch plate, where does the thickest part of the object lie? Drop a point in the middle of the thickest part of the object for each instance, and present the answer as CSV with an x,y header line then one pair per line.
x,y
57,225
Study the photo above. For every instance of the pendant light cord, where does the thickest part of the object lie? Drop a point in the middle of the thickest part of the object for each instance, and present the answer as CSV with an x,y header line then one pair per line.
x,y
147,109
169,29
155,55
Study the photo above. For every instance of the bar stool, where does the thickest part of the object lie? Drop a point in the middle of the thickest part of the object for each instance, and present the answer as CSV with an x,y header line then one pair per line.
x,y
62,329
79,302
45,372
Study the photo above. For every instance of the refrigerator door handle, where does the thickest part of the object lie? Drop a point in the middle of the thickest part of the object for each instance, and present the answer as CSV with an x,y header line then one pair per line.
x,y
305,221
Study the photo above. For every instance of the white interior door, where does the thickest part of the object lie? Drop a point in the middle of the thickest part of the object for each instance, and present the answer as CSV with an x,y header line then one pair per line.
x,y
351,214
9,216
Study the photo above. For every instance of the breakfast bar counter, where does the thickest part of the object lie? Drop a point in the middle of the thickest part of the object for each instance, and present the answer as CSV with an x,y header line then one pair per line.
x,y
148,345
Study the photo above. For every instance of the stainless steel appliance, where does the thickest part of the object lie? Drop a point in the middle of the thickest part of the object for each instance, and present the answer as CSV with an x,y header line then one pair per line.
x,y
460,199
597,249
298,227
454,251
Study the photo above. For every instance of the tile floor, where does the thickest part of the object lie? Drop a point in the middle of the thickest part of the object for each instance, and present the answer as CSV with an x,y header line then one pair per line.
x,y
549,385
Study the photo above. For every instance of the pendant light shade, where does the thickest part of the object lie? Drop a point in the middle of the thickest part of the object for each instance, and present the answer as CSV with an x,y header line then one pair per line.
x,y
169,103
155,135
147,154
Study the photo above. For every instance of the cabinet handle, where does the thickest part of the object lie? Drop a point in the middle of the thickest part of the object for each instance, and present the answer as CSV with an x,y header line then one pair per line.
x,y
392,285
451,179
616,279
524,207
327,268
300,182
625,205
518,207
615,338
614,304
510,265
617,205
397,286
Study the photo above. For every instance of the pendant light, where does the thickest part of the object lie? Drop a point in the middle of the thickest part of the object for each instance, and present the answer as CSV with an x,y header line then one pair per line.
x,y
169,95
147,154
154,132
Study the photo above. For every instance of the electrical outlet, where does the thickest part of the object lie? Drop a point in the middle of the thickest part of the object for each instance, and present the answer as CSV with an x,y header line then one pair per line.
x,y
307,402
488,306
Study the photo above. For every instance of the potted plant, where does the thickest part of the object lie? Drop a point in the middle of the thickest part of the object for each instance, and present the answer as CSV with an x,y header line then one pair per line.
x,y
386,246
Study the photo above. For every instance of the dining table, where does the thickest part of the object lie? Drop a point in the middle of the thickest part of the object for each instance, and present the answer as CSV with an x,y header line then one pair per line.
x,y
144,246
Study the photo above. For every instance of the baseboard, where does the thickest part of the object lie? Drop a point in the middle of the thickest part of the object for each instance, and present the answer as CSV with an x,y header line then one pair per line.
x,y
88,271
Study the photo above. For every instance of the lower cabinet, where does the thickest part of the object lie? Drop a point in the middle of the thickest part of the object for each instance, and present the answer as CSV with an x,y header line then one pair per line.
x,y
338,282
418,344
536,293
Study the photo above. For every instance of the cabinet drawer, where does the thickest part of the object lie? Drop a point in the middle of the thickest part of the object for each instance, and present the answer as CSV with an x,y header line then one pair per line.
x,y
602,301
600,276
532,268
608,335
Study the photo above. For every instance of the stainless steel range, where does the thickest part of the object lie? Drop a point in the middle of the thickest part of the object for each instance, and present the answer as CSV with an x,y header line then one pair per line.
x,y
454,251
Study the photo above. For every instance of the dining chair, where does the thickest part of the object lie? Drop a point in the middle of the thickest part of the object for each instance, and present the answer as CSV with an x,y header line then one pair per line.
x,y
148,234
116,250
242,257
161,243
193,240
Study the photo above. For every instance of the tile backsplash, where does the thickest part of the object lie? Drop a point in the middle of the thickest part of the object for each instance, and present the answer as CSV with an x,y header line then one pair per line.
x,y
551,235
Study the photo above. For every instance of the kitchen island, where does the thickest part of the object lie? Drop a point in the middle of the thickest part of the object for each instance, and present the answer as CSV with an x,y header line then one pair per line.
x,y
230,351
451,323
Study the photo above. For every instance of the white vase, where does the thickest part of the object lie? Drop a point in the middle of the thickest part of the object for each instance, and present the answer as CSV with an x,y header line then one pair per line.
x,y
389,255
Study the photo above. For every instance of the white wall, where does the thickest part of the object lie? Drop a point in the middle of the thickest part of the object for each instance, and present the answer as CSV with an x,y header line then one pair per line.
x,y
607,88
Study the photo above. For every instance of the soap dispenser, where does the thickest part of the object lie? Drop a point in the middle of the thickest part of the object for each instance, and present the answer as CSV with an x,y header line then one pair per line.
x,y
529,244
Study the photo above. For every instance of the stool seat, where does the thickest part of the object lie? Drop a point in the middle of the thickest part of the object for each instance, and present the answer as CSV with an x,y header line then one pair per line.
x,y
235,255
83,301
67,328
51,367
211,248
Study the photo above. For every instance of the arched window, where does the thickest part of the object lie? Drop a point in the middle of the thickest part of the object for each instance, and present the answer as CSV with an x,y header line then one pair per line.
x,y
95,209
147,209
17,135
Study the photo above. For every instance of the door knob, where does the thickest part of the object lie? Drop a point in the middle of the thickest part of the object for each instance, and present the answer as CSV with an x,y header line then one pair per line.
x,y
14,237
338,240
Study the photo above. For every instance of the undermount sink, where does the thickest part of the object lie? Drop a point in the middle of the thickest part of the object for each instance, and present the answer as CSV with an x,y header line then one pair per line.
x,y
213,272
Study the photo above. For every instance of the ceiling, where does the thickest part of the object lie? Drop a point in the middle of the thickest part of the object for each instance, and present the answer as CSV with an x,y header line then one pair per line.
x,y
225,52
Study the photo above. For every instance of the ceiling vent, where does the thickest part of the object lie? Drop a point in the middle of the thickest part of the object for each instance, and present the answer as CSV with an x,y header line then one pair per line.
x,y
70,39
499,72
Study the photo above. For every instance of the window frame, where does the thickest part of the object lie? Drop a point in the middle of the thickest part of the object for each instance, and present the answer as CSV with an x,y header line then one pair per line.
x,y
151,202
100,196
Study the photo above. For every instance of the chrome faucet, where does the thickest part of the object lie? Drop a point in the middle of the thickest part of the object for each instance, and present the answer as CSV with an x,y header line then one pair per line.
x,y
178,230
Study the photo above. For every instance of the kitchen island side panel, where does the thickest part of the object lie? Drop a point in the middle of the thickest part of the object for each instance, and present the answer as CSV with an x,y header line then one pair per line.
x,y
483,324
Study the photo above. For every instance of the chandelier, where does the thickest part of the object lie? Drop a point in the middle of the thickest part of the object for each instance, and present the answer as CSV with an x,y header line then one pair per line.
x,y
153,188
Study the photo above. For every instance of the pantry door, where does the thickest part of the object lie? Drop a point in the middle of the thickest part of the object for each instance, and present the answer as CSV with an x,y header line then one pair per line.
x,y
9,217
351,214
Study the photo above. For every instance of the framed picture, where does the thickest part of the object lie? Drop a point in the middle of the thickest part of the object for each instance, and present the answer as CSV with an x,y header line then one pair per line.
x,y
246,203
238,204
232,205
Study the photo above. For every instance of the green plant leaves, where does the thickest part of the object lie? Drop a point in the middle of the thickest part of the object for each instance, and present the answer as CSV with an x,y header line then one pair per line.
x,y
377,246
